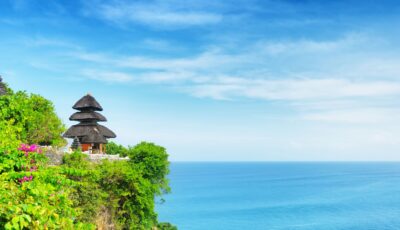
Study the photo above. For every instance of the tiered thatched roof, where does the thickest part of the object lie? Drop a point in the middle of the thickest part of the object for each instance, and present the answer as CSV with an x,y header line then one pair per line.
x,y
88,130
87,116
87,103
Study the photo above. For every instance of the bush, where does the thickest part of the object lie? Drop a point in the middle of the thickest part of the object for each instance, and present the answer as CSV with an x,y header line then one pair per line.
x,y
87,196
113,149
32,195
119,193
80,194
166,226
152,161
131,199
29,119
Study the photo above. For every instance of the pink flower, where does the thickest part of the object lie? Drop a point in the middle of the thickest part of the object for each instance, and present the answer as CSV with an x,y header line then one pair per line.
x,y
33,168
22,148
25,179
33,148
29,149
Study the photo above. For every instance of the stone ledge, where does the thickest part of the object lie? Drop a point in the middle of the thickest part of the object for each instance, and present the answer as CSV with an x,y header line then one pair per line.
x,y
56,155
99,157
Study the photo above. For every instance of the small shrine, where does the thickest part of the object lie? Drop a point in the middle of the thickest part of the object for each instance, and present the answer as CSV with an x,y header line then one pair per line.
x,y
88,135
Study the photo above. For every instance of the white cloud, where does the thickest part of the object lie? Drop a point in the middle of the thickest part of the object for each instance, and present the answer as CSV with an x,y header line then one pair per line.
x,y
158,44
205,60
357,116
107,76
41,41
154,14
320,79
90,57
311,46
295,89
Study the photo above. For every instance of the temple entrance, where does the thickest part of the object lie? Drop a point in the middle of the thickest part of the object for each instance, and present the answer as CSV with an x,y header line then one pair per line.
x,y
93,148
97,148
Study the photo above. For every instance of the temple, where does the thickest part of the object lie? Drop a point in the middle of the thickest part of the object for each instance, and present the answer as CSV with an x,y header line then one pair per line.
x,y
88,134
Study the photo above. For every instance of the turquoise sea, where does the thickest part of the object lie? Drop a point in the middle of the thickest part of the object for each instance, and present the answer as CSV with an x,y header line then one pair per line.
x,y
283,196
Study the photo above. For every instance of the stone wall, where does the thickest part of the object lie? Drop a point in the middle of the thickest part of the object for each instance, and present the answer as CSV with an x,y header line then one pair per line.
x,y
99,157
55,156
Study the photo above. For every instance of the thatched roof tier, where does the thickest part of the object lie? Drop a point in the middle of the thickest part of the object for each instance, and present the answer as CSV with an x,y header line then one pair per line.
x,y
94,138
87,103
87,116
83,130
106,132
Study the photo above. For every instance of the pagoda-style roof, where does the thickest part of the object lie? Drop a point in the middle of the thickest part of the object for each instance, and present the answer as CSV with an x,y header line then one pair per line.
x,y
82,130
87,116
87,102
88,131
94,138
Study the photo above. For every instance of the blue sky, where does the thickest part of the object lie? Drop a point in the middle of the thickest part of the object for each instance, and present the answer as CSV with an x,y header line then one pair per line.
x,y
240,80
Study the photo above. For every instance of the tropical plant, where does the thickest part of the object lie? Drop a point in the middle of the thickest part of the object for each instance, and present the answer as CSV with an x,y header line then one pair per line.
x,y
29,118
33,196
113,148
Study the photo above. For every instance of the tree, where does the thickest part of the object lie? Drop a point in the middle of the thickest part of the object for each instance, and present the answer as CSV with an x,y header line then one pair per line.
x,y
29,118
114,149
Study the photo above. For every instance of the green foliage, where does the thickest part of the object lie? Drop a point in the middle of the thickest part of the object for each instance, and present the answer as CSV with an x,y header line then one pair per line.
x,y
32,195
126,190
75,194
76,160
166,226
28,118
9,138
114,149
131,197
152,161
36,205
86,193
44,126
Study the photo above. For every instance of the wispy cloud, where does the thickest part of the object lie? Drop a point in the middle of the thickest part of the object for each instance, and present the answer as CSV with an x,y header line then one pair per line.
x,y
42,41
307,71
296,89
297,72
107,76
357,116
155,14
305,46
158,44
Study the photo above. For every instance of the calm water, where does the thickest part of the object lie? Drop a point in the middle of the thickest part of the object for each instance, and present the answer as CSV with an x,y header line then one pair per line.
x,y
283,196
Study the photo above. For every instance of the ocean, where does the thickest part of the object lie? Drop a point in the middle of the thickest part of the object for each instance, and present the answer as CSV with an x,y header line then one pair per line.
x,y
283,196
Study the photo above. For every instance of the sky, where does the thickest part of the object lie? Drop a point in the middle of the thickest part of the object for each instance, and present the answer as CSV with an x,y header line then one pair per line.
x,y
223,80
